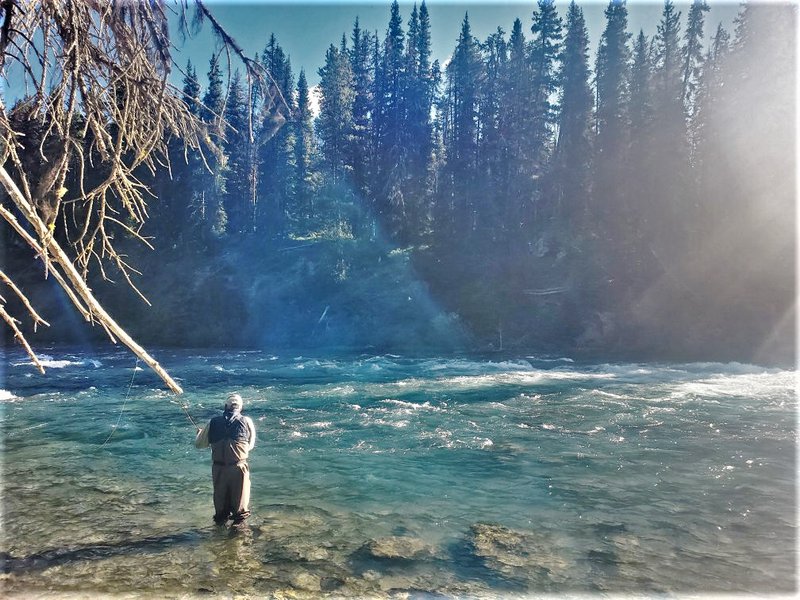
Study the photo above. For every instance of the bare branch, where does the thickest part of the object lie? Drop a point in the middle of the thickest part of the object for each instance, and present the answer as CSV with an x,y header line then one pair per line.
x,y
37,320
12,323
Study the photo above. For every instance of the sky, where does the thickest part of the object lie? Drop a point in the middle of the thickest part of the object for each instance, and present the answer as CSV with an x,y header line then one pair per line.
x,y
306,29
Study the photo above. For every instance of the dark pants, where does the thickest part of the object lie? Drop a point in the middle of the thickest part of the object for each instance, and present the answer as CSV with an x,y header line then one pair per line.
x,y
231,492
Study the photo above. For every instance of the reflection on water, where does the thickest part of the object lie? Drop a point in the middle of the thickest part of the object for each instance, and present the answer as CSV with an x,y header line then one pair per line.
x,y
378,475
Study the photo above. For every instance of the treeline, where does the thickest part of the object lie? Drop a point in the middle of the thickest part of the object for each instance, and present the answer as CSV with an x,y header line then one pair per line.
x,y
641,198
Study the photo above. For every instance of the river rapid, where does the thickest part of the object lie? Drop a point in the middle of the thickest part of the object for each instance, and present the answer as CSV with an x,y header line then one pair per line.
x,y
389,476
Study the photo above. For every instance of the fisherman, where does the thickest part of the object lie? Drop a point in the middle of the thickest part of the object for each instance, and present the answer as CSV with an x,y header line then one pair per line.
x,y
231,436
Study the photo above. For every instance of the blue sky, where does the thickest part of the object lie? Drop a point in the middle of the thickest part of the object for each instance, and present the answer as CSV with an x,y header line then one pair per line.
x,y
306,29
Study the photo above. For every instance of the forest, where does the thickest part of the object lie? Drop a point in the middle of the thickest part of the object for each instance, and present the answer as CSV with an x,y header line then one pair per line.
x,y
527,195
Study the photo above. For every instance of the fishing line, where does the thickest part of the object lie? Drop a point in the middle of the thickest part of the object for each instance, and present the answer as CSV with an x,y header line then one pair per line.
x,y
184,406
127,394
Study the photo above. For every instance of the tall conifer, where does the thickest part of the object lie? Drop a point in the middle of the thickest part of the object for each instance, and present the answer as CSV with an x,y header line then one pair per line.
x,y
573,148
544,51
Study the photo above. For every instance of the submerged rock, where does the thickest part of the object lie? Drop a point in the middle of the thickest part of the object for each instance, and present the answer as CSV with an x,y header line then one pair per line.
x,y
398,547
306,581
520,555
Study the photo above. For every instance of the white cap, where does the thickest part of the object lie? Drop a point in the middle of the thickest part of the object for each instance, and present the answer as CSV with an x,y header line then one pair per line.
x,y
234,401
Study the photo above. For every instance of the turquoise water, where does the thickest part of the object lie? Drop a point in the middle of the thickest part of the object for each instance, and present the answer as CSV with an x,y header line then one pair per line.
x,y
375,475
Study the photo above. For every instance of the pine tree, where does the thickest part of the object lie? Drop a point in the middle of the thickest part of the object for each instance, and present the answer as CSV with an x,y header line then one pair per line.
x,y
669,172
611,113
708,91
611,229
335,122
573,149
518,145
544,52
191,89
302,206
667,72
640,102
389,114
611,76
693,52
208,198
490,207
460,131
361,143
418,129
213,100
238,202
275,167
638,179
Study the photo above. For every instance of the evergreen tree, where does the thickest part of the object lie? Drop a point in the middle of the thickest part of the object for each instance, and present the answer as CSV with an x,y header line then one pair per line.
x,y
275,167
544,52
335,122
191,89
460,131
611,77
669,171
208,198
170,212
693,52
667,73
708,92
611,113
610,220
641,120
213,100
389,114
360,148
418,129
640,109
573,149
238,202
518,149
490,206
302,206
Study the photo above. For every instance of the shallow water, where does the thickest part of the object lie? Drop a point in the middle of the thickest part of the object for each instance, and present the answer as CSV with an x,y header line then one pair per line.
x,y
375,475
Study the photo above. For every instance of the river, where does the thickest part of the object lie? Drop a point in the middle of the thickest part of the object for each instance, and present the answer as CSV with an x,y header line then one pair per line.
x,y
375,476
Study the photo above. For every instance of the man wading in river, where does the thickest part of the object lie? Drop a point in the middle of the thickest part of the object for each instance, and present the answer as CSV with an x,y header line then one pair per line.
x,y
231,437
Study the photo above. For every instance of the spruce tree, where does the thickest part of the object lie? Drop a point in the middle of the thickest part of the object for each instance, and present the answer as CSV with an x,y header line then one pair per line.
x,y
213,100
517,140
275,167
693,52
667,74
464,80
610,223
418,129
611,111
573,149
360,148
302,205
335,122
490,207
238,201
544,52
669,202
191,89
390,120
208,204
